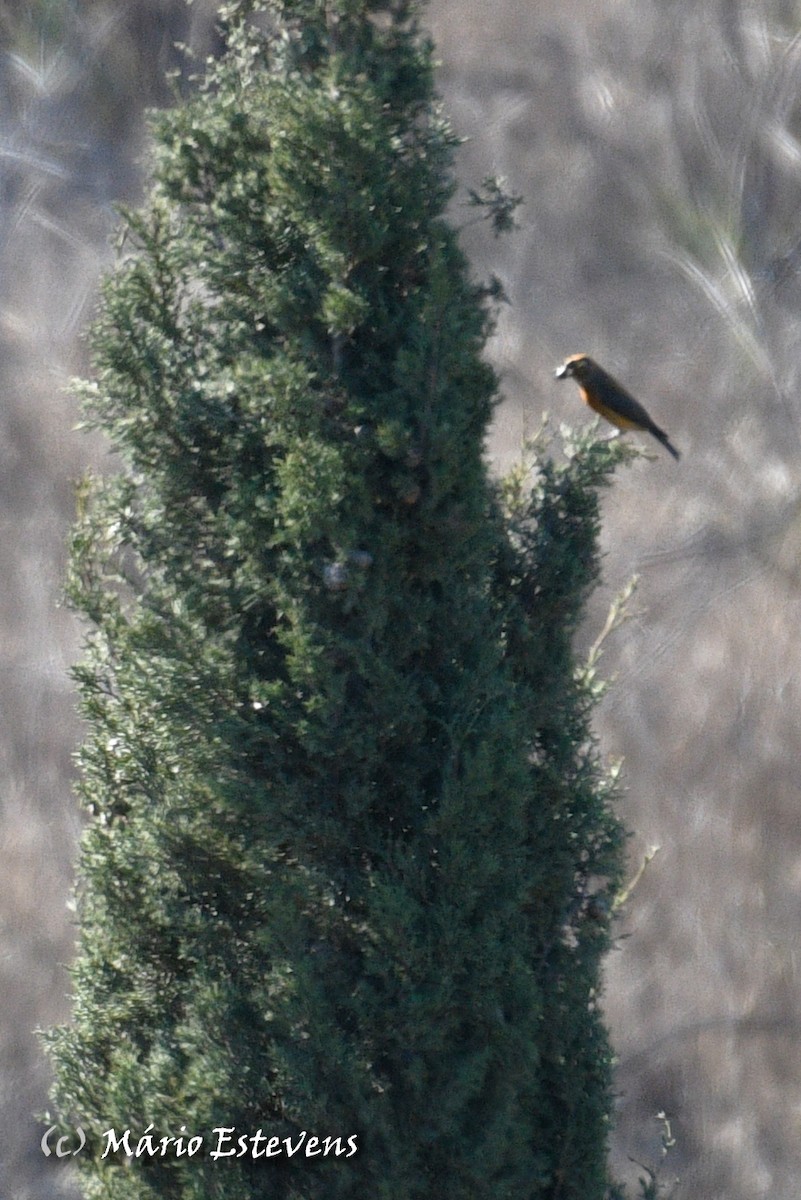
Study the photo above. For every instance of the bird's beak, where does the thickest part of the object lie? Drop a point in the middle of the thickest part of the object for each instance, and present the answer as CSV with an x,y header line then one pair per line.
x,y
563,372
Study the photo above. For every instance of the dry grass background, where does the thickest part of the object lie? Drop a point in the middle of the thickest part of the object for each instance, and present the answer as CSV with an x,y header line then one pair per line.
x,y
658,145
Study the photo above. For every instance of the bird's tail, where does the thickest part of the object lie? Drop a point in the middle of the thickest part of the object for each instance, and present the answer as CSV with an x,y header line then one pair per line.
x,y
662,437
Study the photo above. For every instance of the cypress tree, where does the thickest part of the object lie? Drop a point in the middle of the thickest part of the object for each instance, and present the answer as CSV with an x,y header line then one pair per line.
x,y
346,813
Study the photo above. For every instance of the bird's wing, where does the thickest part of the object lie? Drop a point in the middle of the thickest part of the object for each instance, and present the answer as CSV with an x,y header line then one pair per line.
x,y
616,398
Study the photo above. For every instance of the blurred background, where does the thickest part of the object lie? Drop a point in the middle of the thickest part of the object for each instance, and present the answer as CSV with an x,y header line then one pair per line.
x,y
657,144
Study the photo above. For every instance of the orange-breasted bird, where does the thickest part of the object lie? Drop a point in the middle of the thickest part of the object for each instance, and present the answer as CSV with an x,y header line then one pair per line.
x,y
606,396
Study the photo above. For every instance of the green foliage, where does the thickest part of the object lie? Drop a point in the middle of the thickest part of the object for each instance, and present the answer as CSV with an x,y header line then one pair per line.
x,y
496,204
350,842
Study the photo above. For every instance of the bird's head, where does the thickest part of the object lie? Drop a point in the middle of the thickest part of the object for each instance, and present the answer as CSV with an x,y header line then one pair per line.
x,y
578,366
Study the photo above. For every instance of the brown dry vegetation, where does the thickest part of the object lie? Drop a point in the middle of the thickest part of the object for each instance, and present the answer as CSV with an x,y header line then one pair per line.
x,y
658,145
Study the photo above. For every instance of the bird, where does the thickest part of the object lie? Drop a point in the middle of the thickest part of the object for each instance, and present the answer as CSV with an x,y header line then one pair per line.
x,y
606,396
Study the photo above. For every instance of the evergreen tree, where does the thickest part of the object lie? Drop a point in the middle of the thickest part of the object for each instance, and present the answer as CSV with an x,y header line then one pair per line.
x,y
346,809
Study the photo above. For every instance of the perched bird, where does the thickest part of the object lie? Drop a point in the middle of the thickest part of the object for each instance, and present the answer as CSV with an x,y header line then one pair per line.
x,y
606,396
